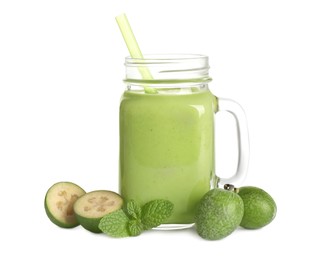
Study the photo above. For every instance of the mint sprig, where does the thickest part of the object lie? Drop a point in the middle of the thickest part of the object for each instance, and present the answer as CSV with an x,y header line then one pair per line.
x,y
133,219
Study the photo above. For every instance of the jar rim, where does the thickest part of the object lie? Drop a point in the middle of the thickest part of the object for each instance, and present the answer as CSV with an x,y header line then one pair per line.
x,y
167,68
158,58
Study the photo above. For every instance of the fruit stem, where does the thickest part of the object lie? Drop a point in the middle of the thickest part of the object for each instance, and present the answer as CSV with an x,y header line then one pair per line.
x,y
231,187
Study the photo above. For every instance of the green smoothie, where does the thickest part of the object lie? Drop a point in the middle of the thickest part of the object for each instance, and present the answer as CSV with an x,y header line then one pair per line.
x,y
167,148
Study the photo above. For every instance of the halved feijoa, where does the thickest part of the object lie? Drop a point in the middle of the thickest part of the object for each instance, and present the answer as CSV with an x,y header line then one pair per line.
x,y
58,203
91,207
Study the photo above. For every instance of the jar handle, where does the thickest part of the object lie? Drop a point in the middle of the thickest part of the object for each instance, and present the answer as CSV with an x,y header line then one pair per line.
x,y
237,111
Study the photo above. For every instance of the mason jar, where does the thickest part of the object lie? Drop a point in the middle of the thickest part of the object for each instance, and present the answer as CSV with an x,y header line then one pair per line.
x,y
167,115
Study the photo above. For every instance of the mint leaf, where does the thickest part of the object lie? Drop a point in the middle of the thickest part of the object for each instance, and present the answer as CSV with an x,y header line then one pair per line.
x,y
115,224
133,209
155,212
133,219
135,227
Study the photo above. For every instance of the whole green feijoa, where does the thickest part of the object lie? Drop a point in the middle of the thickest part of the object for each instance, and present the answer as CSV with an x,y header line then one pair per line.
x,y
218,214
259,207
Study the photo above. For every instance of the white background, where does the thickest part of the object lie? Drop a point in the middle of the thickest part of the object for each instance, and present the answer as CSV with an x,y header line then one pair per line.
x,y
61,71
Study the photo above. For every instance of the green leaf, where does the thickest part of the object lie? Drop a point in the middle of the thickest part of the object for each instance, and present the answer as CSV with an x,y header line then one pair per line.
x,y
135,227
155,212
133,209
115,224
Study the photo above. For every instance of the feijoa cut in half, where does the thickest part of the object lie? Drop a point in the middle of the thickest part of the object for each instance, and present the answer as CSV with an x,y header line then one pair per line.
x,y
59,201
93,206
259,207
